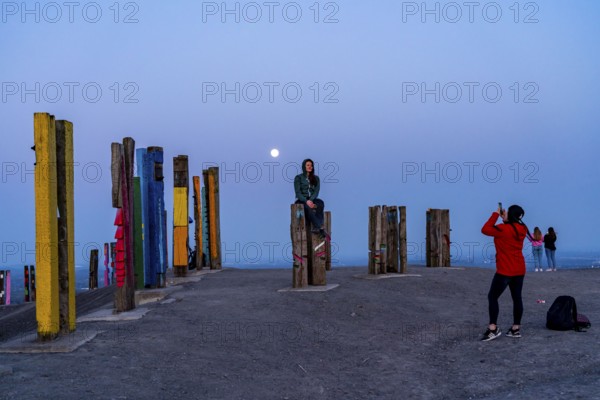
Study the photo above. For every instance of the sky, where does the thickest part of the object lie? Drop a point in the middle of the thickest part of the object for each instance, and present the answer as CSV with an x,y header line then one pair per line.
x,y
420,104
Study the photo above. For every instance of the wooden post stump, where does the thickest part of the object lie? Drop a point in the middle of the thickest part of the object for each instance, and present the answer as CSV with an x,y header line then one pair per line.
x,y
122,180
402,244
317,255
328,243
26,282
299,247
198,255
214,218
438,238
386,246
392,240
2,289
180,215
138,235
93,280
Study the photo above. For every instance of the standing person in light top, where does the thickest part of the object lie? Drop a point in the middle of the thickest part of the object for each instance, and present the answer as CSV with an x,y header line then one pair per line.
x,y
307,186
537,240
550,247
510,267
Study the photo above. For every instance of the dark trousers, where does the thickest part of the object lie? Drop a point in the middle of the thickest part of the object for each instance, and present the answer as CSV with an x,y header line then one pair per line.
x,y
314,215
499,284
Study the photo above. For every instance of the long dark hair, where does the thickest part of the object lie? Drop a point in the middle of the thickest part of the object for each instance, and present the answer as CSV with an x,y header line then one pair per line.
x,y
310,175
514,215
552,233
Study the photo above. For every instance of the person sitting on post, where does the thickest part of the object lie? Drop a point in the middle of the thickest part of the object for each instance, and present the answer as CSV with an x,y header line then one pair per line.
x,y
307,186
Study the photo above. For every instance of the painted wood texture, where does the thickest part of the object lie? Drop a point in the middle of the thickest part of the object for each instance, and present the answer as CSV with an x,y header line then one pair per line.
x,y
180,206
46,232
138,235
66,224
299,247
180,253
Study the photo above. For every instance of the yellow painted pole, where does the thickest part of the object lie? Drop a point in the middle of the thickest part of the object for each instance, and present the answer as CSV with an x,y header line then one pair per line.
x,y
46,226
70,200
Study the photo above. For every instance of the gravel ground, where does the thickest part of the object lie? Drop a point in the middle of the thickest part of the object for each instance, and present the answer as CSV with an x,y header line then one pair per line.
x,y
233,336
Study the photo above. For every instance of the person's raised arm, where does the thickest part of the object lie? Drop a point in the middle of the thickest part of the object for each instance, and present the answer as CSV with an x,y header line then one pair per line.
x,y
490,228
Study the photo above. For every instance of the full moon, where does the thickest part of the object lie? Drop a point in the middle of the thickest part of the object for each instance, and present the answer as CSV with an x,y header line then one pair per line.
x,y
274,153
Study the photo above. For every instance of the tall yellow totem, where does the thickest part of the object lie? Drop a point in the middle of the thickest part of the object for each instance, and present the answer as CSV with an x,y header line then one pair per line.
x,y
55,307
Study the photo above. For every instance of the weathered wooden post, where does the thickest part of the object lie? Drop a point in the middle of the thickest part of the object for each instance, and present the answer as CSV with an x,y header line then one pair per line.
x,y
383,241
402,243
54,230
141,216
32,282
317,255
387,239
393,239
26,282
165,251
93,280
155,229
197,223
106,271
2,289
66,224
7,287
205,247
328,242
180,215
46,232
113,262
299,247
427,237
374,239
438,238
138,235
214,225
122,174
445,231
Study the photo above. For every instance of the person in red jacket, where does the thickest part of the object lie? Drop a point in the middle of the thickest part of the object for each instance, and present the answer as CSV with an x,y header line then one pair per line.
x,y
510,267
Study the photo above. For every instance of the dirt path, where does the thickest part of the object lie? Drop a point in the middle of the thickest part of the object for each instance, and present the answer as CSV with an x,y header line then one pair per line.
x,y
233,336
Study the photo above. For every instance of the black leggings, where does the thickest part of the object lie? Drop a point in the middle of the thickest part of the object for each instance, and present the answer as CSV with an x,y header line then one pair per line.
x,y
499,283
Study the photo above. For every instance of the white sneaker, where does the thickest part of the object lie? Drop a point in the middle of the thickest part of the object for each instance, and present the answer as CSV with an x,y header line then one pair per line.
x,y
548,270
537,269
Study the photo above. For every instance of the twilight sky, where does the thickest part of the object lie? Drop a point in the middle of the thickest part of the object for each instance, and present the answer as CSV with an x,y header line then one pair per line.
x,y
422,104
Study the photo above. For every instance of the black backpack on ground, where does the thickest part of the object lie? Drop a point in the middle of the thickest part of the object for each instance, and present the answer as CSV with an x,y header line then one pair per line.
x,y
562,315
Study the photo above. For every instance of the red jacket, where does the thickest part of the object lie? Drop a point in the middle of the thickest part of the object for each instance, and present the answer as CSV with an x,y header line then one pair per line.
x,y
509,246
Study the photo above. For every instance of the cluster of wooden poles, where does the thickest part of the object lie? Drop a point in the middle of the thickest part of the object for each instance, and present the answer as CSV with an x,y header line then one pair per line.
x,y
387,239
139,254
387,243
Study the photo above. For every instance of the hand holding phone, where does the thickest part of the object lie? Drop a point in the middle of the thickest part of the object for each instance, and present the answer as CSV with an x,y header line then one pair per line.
x,y
500,210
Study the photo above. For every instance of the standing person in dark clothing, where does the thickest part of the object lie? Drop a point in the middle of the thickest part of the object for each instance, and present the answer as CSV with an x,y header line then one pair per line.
x,y
307,186
550,247
510,267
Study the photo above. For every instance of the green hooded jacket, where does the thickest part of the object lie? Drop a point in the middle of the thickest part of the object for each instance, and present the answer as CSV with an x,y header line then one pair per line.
x,y
304,190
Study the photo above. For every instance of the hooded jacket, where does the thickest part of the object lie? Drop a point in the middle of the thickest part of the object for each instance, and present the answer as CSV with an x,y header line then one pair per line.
x,y
509,245
304,190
